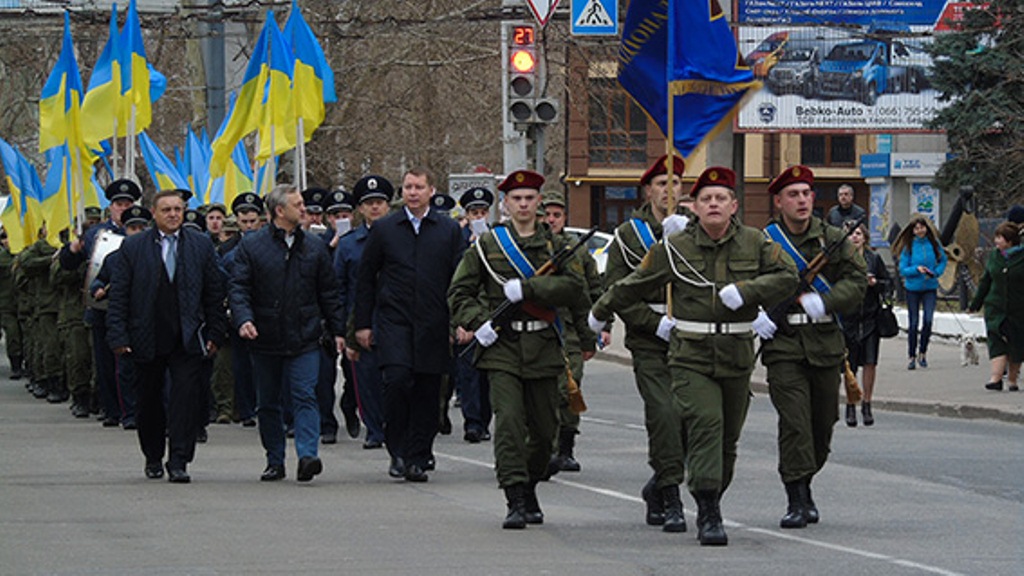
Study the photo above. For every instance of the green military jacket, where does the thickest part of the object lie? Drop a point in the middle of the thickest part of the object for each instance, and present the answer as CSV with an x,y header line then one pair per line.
x,y
1004,313
7,294
822,344
35,261
625,253
578,336
474,294
697,268
69,285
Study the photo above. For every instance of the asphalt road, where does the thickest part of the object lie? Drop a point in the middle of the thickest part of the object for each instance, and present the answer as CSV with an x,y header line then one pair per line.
x,y
912,495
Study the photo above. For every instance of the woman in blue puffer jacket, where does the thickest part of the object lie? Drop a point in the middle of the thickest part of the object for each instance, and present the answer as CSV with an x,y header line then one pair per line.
x,y
922,260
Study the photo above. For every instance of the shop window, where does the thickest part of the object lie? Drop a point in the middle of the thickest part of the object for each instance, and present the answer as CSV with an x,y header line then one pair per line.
x,y
828,150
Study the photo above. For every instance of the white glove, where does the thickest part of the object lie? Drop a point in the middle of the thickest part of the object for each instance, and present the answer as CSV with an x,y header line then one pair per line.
x,y
813,305
731,297
763,326
485,334
514,290
596,326
665,326
673,224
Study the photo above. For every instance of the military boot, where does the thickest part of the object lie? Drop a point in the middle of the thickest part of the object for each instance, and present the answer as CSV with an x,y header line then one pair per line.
x,y
17,370
655,504
80,405
58,391
566,442
810,509
674,520
534,515
710,531
40,388
795,516
516,501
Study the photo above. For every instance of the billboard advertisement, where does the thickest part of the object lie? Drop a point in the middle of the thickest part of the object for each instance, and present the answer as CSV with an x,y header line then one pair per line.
x,y
840,66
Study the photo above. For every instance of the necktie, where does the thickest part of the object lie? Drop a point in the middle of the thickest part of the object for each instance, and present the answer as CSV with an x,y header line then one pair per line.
x,y
170,257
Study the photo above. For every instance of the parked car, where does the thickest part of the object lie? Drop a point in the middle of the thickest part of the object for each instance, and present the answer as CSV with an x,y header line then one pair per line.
x,y
597,245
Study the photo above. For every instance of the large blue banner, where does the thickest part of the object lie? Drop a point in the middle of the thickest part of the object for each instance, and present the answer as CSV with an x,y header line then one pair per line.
x,y
821,12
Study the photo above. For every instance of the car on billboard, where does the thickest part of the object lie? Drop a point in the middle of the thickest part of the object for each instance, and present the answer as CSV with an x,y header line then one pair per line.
x,y
864,69
797,69
763,57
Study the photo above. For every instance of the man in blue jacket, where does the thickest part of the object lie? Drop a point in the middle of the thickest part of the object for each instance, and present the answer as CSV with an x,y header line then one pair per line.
x,y
282,287
401,305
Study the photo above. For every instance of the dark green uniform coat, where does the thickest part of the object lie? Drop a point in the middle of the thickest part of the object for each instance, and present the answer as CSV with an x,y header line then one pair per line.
x,y
1004,309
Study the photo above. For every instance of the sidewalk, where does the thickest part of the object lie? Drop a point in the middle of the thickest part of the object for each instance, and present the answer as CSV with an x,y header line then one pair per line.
x,y
945,388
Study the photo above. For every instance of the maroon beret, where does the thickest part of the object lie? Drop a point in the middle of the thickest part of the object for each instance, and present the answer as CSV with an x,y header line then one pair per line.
x,y
658,168
521,179
714,176
791,175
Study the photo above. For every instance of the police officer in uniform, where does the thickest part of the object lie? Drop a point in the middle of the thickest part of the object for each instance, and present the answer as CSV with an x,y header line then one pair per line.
x,y
720,271
804,361
523,357
313,198
665,444
580,343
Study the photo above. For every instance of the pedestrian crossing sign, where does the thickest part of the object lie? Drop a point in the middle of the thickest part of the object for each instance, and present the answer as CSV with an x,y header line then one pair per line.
x,y
595,17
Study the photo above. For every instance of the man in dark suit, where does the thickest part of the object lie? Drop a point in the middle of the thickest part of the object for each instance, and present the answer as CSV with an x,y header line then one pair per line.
x,y
407,264
167,313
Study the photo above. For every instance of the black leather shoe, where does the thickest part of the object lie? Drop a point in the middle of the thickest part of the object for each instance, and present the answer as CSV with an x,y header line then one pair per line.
x,y
272,473
397,468
329,438
997,386
154,471
309,466
446,425
249,422
372,444
351,423
177,475
485,436
472,436
414,473
111,422
851,416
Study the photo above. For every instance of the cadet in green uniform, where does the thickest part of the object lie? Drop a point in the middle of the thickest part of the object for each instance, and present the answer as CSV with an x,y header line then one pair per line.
x,y
580,343
46,366
73,337
9,309
720,271
804,362
523,357
665,444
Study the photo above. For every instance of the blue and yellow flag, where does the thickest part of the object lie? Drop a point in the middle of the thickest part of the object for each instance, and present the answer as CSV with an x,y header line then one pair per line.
x,y
277,118
163,172
197,167
21,214
312,77
103,104
686,50
57,192
135,76
237,179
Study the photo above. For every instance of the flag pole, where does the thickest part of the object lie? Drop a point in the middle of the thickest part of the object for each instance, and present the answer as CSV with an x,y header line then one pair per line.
x,y
79,204
113,155
300,154
130,147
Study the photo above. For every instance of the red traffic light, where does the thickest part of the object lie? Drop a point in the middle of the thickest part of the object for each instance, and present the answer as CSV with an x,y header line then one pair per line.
x,y
523,61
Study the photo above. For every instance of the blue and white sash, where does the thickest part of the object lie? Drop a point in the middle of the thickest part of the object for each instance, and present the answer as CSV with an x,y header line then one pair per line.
x,y
776,234
643,233
512,252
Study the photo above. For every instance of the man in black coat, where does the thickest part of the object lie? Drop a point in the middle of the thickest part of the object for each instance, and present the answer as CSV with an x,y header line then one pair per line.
x,y
167,313
401,312
282,290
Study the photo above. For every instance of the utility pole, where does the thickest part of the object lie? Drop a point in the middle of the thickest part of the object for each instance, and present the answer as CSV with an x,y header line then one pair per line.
x,y
213,54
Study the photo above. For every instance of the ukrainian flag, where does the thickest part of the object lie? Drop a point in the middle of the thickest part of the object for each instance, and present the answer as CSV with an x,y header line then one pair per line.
x,y
57,192
197,165
683,50
277,117
135,77
244,117
103,104
161,169
237,179
312,77
19,215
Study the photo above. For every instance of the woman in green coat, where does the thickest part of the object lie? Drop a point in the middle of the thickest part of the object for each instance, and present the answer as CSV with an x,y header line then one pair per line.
x,y
1004,315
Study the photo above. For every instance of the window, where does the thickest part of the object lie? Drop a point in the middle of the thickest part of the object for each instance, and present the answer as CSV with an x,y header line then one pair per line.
x,y
618,127
828,150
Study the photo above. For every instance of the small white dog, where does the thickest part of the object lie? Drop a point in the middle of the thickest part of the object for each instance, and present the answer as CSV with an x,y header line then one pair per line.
x,y
968,349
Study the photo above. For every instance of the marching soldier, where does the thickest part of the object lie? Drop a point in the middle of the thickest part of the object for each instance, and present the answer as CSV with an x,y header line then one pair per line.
x,y
9,309
804,361
523,356
580,344
720,271
47,372
73,336
649,347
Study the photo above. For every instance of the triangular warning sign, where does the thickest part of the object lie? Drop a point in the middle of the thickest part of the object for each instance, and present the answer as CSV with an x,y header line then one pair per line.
x,y
542,9
594,15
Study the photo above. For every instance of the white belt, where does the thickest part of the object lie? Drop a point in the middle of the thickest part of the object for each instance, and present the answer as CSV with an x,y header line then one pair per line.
x,y
659,308
714,327
798,319
528,325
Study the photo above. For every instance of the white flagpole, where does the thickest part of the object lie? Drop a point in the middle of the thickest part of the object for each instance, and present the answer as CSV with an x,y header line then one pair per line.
x,y
130,147
300,154
113,156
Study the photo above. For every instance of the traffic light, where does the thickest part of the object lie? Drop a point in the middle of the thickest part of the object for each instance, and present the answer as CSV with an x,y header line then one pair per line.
x,y
526,73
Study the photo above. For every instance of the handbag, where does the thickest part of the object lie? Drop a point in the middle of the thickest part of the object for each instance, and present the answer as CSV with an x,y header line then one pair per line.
x,y
886,322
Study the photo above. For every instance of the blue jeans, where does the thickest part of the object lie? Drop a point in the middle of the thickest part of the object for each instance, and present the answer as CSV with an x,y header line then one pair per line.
x,y
915,301
299,374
